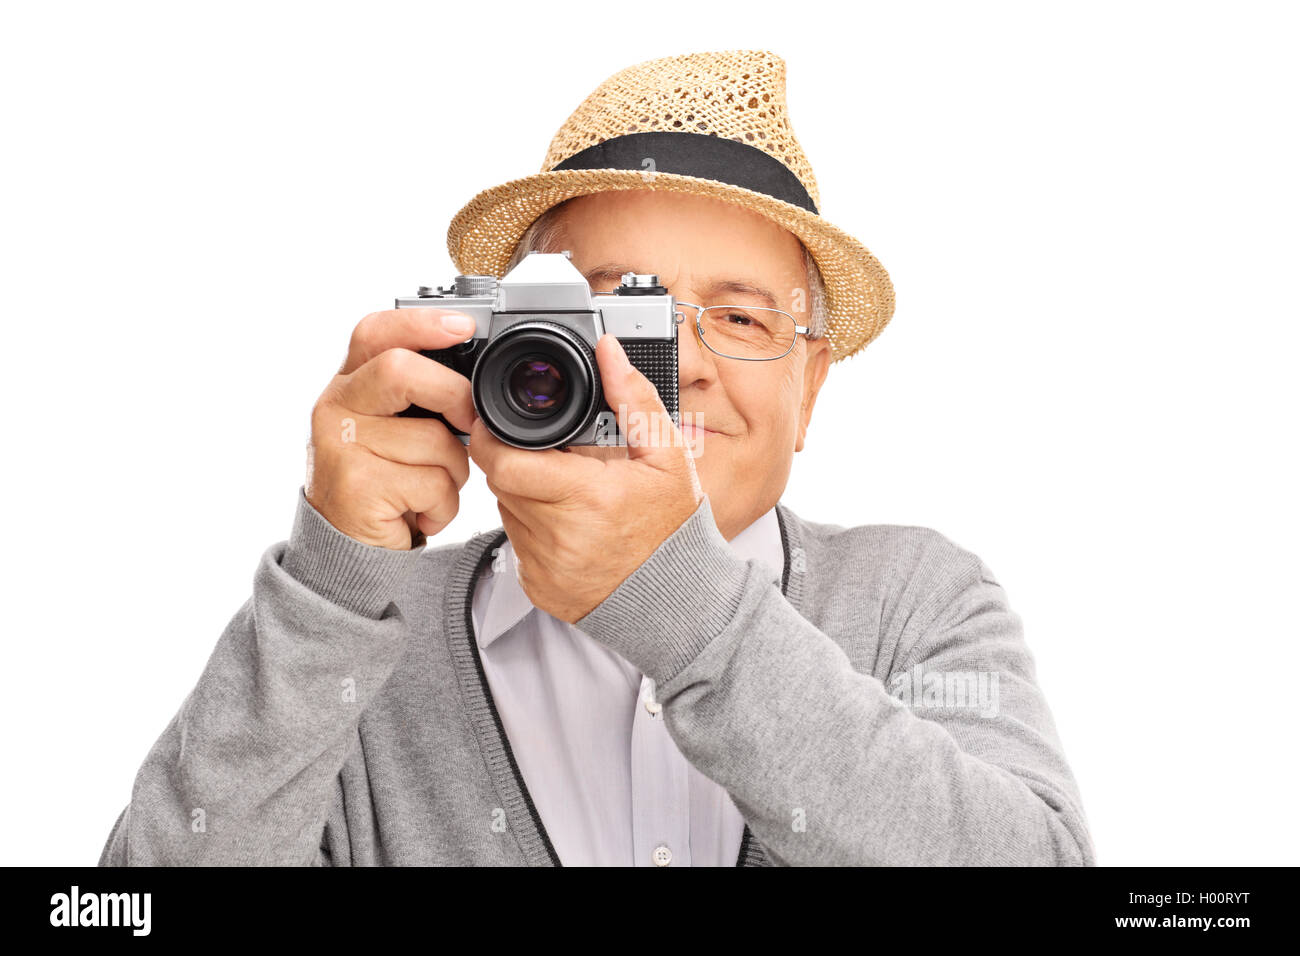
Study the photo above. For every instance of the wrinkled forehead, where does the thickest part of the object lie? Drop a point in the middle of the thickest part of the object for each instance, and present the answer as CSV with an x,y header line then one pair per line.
x,y
691,241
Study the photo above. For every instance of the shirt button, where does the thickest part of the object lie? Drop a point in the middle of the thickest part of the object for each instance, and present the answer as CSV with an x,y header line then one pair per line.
x,y
652,706
662,855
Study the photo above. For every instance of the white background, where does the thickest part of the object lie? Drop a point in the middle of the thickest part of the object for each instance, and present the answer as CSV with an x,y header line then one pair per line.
x,y
1089,212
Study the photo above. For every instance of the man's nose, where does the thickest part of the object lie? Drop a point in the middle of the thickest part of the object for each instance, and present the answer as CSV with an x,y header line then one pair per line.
x,y
695,361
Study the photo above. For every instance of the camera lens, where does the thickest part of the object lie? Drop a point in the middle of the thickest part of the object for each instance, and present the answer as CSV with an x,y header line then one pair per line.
x,y
537,386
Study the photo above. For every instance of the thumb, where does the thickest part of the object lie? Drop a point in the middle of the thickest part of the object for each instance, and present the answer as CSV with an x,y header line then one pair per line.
x,y
647,427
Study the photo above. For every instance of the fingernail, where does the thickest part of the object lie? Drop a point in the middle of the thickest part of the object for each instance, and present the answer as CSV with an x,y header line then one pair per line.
x,y
458,324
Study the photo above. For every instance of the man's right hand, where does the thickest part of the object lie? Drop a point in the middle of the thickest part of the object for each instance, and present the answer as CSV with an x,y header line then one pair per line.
x,y
380,479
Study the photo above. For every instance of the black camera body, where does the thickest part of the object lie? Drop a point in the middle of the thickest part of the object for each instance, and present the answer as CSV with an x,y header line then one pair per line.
x,y
532,362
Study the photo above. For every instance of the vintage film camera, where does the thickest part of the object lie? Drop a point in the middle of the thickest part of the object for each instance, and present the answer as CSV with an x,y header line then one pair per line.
x,y
532,361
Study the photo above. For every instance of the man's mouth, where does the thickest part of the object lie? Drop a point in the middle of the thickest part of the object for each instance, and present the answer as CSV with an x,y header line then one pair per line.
x,y
691,429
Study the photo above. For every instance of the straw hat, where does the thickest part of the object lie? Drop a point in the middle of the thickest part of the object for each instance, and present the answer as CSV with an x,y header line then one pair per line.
x,y
707,124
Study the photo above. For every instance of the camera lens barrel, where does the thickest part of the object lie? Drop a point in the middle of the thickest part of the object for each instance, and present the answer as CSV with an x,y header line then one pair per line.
x,y
537,385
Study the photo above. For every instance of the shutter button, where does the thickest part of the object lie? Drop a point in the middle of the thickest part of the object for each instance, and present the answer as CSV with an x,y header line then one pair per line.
x,y
662,855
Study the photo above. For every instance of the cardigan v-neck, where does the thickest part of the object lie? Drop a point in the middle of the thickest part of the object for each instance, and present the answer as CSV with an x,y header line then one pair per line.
x,y
482,710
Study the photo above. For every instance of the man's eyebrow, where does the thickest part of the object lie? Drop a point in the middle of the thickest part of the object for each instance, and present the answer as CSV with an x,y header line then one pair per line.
x,y
608,270
615,270
739,287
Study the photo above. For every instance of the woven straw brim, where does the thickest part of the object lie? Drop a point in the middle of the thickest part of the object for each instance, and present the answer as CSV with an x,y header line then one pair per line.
x,y
860,297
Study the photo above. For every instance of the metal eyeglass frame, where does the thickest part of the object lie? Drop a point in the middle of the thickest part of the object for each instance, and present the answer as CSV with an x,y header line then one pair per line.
x,y
699,311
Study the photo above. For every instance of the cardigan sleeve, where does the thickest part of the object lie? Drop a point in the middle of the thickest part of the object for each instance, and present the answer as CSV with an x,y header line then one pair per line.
x,y
828,766
247,770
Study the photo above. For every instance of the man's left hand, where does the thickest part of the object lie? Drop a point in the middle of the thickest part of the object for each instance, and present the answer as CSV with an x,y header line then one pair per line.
x,y
580,525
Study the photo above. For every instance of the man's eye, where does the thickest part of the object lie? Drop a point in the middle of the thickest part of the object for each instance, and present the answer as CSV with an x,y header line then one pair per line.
x,y
739,318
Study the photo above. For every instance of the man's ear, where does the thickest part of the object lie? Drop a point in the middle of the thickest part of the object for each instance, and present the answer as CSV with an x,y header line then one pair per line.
x,y
817,362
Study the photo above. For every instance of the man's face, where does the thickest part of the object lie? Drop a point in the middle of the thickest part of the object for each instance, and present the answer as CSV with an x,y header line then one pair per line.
x,y
753,414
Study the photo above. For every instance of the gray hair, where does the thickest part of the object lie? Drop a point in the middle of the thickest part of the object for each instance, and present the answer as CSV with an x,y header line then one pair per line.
x,y
546,235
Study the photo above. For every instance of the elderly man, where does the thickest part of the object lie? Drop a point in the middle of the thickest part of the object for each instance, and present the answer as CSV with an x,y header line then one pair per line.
x,y
654,662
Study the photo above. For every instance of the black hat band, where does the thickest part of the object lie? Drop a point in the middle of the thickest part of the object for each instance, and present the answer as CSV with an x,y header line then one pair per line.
x,y
704,156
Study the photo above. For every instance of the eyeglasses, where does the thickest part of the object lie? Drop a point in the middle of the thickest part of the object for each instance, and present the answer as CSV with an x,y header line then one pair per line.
x,y
745,332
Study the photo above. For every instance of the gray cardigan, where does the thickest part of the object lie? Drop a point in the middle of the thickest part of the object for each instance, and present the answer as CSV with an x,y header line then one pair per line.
x,y
343,717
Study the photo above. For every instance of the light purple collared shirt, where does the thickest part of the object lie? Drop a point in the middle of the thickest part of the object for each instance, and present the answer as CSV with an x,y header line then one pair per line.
x,y
609,783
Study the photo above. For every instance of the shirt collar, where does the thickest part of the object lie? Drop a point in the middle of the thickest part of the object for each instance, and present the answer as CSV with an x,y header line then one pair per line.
x,y
761,541
500,601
